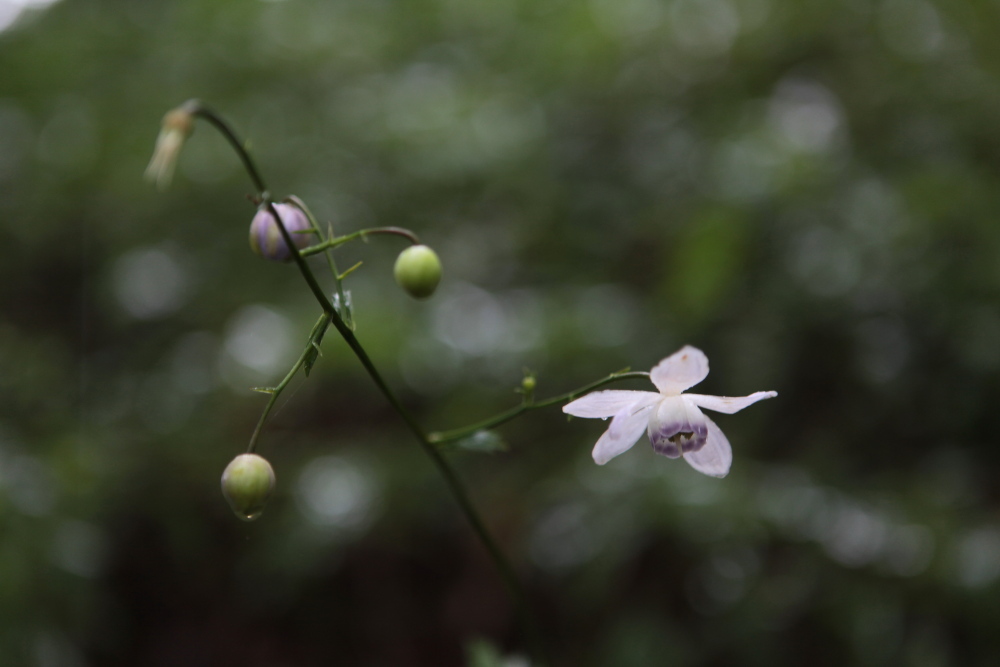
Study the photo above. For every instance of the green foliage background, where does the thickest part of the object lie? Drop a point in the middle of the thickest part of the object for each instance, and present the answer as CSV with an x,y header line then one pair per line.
x,y
805,190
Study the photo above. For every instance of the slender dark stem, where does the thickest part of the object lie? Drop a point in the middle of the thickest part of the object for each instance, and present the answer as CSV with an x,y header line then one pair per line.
x,y
507,415
195,107
457,490
454,485
360,234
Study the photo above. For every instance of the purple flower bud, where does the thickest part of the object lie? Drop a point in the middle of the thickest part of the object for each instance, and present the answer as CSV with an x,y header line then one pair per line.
x,y
266,239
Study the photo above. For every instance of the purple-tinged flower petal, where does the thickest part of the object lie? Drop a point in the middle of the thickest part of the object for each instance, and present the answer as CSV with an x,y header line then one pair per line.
x,y
677,427
716,457
604,404
625,430
684,368
729,404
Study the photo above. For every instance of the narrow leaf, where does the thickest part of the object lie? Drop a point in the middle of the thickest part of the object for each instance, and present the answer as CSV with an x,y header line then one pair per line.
x,y
311,357
315,340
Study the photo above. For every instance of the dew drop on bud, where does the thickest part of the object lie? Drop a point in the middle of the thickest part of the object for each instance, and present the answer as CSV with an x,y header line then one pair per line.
x,y
247,483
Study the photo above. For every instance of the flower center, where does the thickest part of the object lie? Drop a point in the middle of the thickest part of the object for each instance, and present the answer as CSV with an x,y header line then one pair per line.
x,y
676,429
678,443
682,438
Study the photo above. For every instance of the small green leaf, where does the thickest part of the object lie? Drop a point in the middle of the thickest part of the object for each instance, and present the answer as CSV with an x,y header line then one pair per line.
x,y
350,271
310,359
315,340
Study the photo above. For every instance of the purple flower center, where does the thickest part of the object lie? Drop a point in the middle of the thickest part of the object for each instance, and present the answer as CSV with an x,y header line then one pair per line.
x,y
672,440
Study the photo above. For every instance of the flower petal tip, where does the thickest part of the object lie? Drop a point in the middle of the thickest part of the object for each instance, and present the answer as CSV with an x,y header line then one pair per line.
x,y
680,371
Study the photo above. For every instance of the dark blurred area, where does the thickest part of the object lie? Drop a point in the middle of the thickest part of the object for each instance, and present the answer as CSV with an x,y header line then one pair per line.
x,y
806,190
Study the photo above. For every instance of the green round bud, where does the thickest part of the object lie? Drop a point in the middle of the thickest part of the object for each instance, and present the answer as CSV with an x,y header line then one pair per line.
x,y
528,384
418,271
247,484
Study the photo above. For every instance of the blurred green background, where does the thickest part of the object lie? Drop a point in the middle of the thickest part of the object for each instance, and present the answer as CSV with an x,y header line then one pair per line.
x,y
807,190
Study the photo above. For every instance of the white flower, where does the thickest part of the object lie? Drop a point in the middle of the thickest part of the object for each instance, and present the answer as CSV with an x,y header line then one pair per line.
x,y
675,425
176,128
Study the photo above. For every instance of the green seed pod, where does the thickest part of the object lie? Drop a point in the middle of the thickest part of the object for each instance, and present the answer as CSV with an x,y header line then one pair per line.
x,y
266,239
247,484
418,271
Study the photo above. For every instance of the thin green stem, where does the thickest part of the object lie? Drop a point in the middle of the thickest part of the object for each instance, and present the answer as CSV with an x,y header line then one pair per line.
x,y
360,234
275,391
458,433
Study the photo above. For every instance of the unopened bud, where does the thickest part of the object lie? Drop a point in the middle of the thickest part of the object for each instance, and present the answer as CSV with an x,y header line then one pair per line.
x,y
418,271
266,239
247,484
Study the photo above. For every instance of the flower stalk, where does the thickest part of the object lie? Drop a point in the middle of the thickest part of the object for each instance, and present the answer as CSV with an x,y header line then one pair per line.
x,y
440,437
303,361
362,234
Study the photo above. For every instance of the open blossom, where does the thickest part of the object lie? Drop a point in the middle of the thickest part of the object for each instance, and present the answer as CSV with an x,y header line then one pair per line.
x,y
177,126
673,420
